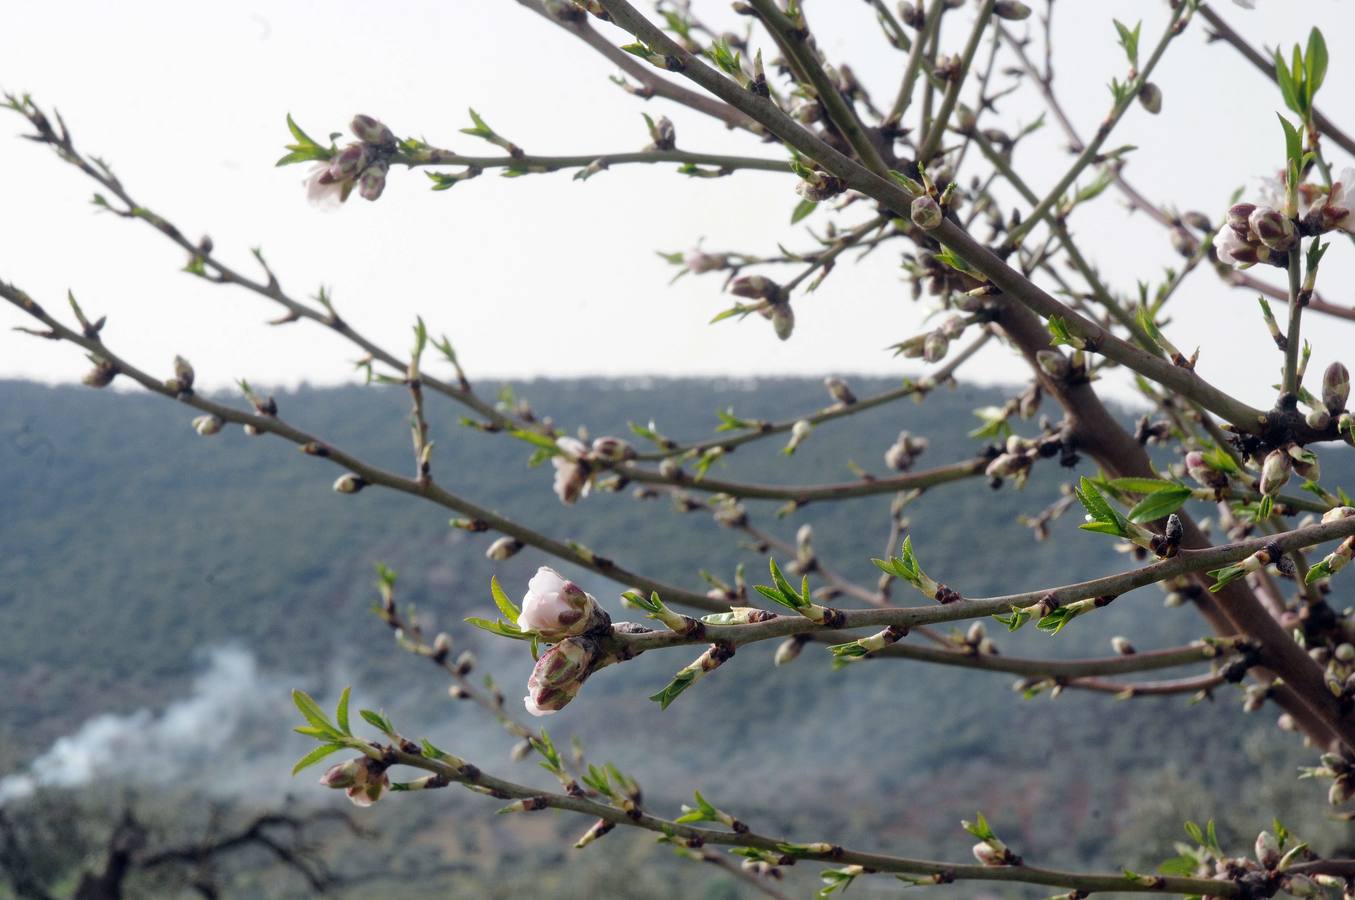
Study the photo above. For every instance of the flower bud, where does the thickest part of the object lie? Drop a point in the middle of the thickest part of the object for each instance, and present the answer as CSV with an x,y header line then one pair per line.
x,y
372,181
935,347
1318,419
698,262
838,390
1340,791
987,855
1122,646
926,212
183,375
1335,388
975,635
465,663
208,425
573,475
1345,653
348,162
442,645
754,287
1302,886
371,131
100,376
1305,463
1011,10
1198,220
788,650
1238,216
348,483
1274,472
1053,363
558,675
1150,97
346,774
366,794
1202,472
556,608
1273,228
783,320
503,548
613,449
1267,850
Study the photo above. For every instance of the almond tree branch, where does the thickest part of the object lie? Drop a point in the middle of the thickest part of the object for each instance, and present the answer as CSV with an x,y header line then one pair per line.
x,y
446,772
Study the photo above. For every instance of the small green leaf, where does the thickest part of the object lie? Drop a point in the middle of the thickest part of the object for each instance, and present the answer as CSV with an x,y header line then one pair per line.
x,y
1159,504
315,756
802,209
378,721
506,606
341,712
313,713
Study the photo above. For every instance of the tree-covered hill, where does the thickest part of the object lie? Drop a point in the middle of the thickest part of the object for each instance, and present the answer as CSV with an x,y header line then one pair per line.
x,y
132,548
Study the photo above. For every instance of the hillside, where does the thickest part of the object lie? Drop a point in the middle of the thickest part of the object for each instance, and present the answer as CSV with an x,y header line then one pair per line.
x,y
133,550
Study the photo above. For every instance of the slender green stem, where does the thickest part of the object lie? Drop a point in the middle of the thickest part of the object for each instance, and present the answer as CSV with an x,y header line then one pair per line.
x,y
1089,153
840,113
433,156
807,493
937,131
1291,349
915,57
768,429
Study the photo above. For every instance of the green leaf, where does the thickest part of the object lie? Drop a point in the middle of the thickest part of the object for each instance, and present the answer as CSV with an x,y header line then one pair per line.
x,y
1159,504
1288,90
501,628
1142,485
313,713
506,606
792,598
341,712
1314,64
315,756
671,691
1129,40
1293,142
802,209
1105,518
378,721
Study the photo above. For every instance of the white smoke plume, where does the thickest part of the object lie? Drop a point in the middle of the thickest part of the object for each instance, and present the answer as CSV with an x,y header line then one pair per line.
x,y
147,747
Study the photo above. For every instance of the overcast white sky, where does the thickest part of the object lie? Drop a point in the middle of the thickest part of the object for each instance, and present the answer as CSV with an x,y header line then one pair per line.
x,y
545,275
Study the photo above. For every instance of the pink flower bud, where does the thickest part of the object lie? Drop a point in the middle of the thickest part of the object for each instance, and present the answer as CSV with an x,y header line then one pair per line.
x,y
555,607
613,449
348,162
346,774
1335,388
366,794
926,213
1267,850
372,181
503,548
371,131
1273,228
208,425
1274,472
783,321
558,675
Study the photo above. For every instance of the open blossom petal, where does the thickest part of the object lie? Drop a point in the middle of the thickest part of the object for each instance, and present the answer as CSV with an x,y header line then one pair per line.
x,y
553,605
1227,243
321,189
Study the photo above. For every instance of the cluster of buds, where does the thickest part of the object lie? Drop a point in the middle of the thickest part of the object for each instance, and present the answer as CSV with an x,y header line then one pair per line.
x,y
816,186
364,779
1206,475
774,305
577,465
904,451
932,346
362,164
976,640
1265,232
698,262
